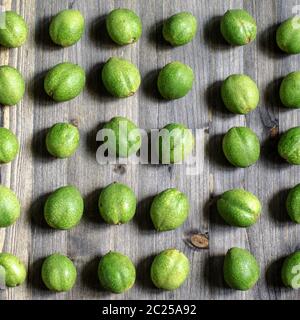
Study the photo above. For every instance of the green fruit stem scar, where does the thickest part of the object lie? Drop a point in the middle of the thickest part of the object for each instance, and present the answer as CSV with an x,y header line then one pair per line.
x,y
176,142
12,86
10,207
293,204
116,272
288,36
64,208
64,82
289,146
120,77
170,269
117,203
123,26
175,80
241,147
58,273
239,207
290,272
290,90
62,140
14,269
240,94
9,146
14,31
169,210
125,138
67,27
180,28
238,27
241,270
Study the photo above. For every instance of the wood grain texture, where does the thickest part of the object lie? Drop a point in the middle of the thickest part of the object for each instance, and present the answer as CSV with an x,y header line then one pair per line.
x,y
34,174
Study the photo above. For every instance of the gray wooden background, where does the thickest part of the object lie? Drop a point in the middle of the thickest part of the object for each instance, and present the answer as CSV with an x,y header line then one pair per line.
x,y
34,174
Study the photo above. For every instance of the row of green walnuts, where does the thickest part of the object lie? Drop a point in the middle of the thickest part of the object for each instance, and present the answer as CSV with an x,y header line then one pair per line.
x,y
117,205
121,78
174,143
169,270
124,27
116,272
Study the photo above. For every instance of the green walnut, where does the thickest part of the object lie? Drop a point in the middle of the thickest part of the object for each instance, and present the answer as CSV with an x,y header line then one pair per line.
x,y
116,272
290,272
240,94
239,208
67,27
238,27
123,26
289,146
241,147
125,138
62,140
10,207
241,270
293,204
120,77
64,82
14,270
180,28
175,80
170,269
169,210
176,143
58,273
12,86
64,208
288,35
9,146
289,90
117,203
14,31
